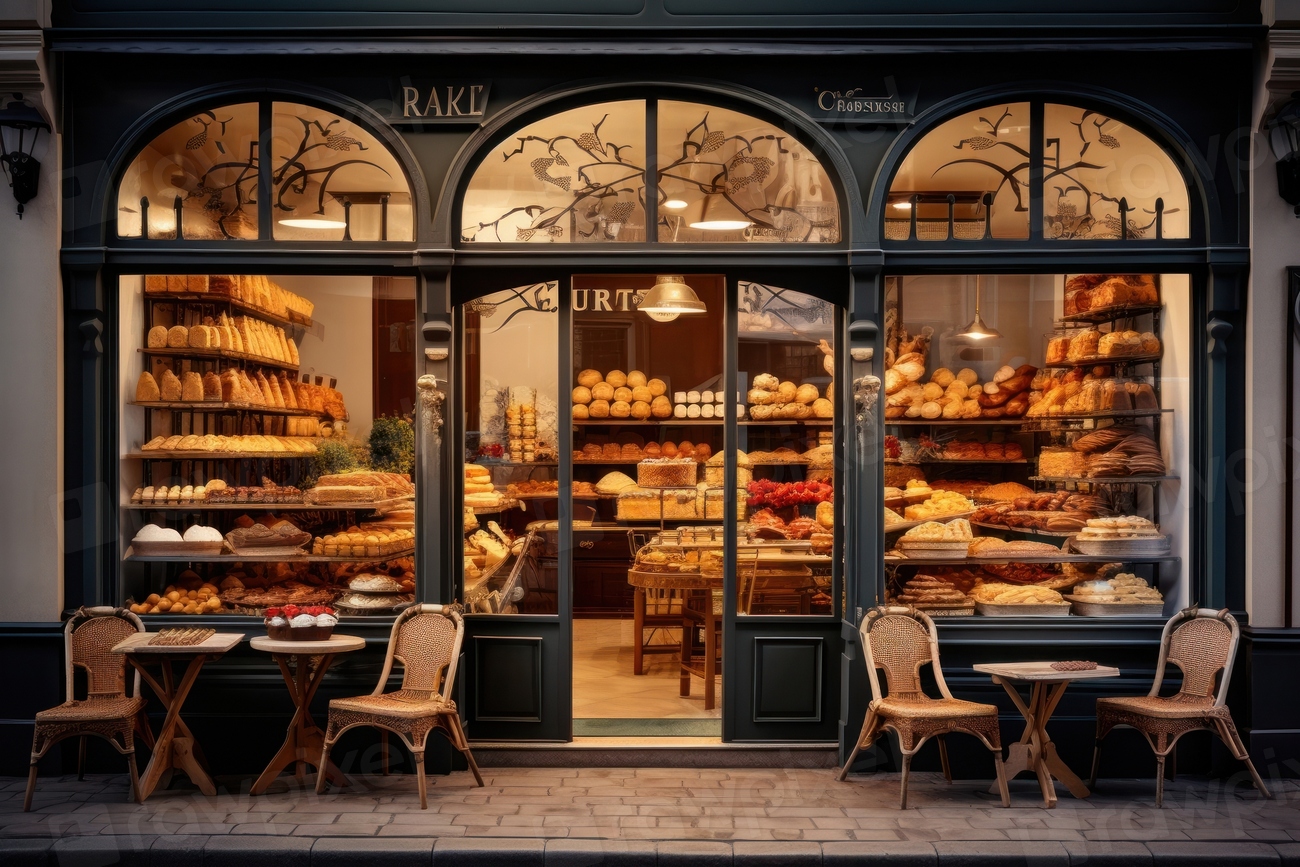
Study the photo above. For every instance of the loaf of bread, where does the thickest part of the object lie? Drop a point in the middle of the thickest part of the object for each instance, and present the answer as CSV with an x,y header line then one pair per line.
x,y
157,337
146,388
199,337
286,391
178,337
277,397
211,386
170,387
231,390
191,386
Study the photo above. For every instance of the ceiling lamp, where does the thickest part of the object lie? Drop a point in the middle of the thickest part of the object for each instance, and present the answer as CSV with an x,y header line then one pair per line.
x,y
720,215
977,330
675,204
669,298
334,213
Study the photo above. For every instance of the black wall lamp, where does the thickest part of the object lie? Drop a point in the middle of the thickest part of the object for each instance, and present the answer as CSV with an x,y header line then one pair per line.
x,y
1284,139
20,167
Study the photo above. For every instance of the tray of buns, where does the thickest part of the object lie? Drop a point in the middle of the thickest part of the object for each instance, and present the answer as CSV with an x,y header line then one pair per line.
x,y
1147,546
1085,607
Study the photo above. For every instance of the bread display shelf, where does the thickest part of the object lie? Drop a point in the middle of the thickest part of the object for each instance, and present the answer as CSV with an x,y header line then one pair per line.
x,y
222,406
205,506
503,506
1107,480
1084,416
1110,314
919,463
1142,358
263,558
220,354
649,422
781,422
1032,531
1083,608
235,305
894,558
1029,609
161,455
940,422
493,462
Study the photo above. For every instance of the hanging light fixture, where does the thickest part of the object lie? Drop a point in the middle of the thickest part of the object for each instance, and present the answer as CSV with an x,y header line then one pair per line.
x,y
22,169
1284,140
669,298
332,214
720,215
977,330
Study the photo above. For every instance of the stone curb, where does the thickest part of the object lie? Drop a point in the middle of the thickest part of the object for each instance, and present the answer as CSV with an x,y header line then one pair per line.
x,y
254,851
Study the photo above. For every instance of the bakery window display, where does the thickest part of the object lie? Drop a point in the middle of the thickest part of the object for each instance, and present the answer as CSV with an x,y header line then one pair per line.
x,y
1064,450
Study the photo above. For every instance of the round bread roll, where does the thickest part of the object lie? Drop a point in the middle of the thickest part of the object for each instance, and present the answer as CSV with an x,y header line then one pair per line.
x,y
582,394
968,376
661,407
956,389
657,387
759,396
823,408
623,393
943,377
602,391
652,450
599,409
636,379
761,412
766,381
786,392
668,450
686,449
640,409
640,392
800,410
620,409
806,393
703,452
616,378
580,411
830,392
932,391
588,378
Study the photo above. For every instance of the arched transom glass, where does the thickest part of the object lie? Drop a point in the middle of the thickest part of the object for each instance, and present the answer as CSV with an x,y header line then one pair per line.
x,y
330,179
579,176
969,179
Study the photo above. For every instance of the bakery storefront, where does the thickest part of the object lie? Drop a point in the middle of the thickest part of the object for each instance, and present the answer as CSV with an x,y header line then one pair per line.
x,y
341,339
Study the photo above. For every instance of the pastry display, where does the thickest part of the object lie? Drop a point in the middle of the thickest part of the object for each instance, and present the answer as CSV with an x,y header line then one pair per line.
x,y
281,537
1136,454
1015,594
189,595
940,504
715,469
995,548
1092,294
1124,588
1119,535
770,399
780,495
1062,463
935,596
232,444
535,488
630,395
292,623
355,542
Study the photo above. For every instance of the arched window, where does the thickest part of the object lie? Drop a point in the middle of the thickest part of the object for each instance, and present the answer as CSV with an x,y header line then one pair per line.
x,y
579,176
330,179
969,179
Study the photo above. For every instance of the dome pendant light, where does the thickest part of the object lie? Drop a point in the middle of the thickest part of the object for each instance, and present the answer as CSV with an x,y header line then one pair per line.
x,y
669,297
977,330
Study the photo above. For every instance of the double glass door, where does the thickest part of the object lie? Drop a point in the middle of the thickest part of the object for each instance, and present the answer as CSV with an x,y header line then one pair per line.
x,y
651,542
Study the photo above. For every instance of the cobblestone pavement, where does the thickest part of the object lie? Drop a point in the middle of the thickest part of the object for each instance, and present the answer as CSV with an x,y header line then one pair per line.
x,y
649,816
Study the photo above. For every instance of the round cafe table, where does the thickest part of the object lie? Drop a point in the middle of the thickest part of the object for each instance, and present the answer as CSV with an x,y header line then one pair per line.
x,y
303,665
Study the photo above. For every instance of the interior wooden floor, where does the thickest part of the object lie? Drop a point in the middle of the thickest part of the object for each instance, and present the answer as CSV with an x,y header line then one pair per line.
x,y
604,686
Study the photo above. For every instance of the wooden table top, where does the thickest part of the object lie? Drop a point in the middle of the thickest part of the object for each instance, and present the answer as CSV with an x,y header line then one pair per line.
x,y
139,645
1042,671
336,643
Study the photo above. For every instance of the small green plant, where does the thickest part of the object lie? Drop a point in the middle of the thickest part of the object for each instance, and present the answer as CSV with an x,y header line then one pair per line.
x,y
335,455
392,445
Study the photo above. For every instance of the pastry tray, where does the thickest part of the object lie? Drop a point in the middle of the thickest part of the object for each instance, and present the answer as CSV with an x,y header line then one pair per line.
x,y
1140,547
176,549
1032,531
1050,609
1115,609
919,550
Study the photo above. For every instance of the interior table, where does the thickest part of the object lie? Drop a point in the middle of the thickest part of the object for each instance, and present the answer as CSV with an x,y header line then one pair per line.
x,y
1035,751
303,665
686,583
175,748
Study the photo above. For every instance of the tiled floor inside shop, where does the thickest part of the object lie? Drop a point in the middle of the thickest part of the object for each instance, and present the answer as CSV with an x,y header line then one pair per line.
x,y
604,686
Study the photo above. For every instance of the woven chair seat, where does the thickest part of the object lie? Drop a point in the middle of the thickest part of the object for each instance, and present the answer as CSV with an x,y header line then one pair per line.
x,y
89,710
402,704
1179,706
931,708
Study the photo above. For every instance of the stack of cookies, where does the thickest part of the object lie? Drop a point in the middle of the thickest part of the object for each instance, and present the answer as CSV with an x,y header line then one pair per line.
x,y
934,596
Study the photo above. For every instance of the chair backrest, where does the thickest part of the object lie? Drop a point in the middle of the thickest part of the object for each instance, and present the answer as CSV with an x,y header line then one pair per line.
x,y
426,640
1201,642
900,640
89,638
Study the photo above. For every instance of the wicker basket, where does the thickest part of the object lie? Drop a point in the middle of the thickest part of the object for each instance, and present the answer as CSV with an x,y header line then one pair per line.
x,y
299,633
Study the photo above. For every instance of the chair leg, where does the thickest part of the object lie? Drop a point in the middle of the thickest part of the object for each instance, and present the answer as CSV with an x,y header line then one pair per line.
x,y
1160,780
135,777
81,758
460,742
1096,764
31,788
323,766
902,795
419,775
1227,731
1001,772
1171,764
865,737
943,759
383,750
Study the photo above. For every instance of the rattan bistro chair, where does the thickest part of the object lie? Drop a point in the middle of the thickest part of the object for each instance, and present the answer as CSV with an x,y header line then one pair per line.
x,y
1201,642
426,640
901,640
107,711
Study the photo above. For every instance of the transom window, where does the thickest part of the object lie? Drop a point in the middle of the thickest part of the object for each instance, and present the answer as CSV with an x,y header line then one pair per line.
x,y
330,180
579,176
969,179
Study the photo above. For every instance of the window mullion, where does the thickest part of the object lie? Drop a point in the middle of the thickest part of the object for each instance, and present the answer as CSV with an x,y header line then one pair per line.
x,y
1036,170
651,170
265,118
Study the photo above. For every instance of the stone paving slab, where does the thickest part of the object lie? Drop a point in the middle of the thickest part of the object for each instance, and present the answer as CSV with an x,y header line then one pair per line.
x,y
585,817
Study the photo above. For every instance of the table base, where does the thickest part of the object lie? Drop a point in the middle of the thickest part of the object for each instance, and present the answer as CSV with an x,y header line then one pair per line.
x,y
1035,752
175,748
305,741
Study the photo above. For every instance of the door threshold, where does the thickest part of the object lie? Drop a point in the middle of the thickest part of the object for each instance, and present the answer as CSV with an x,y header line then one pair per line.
x,y
658,752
